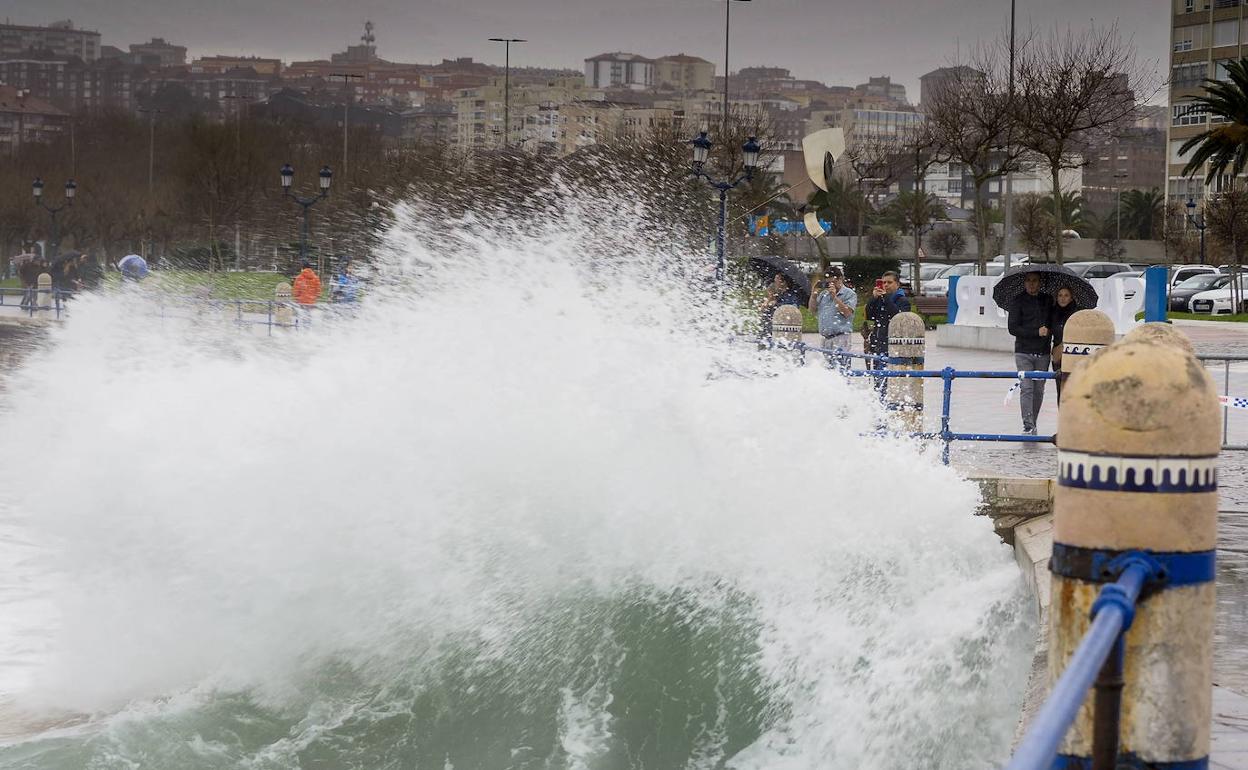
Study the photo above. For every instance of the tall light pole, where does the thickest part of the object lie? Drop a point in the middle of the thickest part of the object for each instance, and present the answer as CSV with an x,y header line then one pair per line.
x,y
1008,240
346,111
151,147
507,41
70,190
288,178
1118,198
1198,224
727,38
701,151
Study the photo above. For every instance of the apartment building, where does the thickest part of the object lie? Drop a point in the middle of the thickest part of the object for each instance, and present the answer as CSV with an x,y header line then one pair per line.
x,y
59,37
682,72
619,70
158,52
25,119
1204,36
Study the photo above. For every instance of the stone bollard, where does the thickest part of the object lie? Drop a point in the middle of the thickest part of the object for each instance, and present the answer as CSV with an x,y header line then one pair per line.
x,y
1160,334
1138,442
1086,332
43,295
786,323
283,310
907,342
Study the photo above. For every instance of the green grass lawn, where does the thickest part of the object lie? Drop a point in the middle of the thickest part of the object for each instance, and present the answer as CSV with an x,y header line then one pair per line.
x,y
1238,318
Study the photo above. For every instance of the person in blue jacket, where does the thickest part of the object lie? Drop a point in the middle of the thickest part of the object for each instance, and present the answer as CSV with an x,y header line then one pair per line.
x,y
346,286
887,300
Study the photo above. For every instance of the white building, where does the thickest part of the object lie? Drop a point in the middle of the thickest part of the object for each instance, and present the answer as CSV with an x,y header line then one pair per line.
x,y
619,70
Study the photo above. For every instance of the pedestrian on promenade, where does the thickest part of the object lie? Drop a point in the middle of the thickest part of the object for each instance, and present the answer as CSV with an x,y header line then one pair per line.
x,y
29,271
1063,308
90,274
780,292
1029,325
307,286
834,308
346,286
887,300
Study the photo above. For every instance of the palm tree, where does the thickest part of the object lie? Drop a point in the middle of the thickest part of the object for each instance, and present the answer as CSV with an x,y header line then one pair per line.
x,y
1142,212
913,212
1225,143
1074,211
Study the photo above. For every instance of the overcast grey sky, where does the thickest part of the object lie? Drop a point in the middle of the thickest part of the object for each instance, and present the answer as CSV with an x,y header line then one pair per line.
x,y
837,41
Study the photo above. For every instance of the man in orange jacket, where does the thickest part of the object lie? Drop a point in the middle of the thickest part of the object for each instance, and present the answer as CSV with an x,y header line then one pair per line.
x,y
307,286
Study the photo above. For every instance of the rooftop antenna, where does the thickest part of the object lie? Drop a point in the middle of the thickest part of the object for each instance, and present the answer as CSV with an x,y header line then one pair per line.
x,y
368,38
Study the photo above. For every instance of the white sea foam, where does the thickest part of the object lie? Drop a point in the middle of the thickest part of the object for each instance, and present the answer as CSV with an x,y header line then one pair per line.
x,y
511,422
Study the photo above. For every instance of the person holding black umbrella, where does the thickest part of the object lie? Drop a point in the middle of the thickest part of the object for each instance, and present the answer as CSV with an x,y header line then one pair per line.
x,y
1029,325
1063,308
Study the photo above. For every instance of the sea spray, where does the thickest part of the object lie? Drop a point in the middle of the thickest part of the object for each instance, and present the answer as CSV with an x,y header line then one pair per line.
x,y
526,506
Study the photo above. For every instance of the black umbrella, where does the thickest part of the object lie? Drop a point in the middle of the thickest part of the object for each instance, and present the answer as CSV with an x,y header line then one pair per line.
x,y
62,258
768,266
1052,278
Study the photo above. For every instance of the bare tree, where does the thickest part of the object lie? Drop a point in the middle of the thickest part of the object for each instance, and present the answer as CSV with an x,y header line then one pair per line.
x,y
874,162
1182,241
949,241
1073,87
971,118
1034,224
1226,216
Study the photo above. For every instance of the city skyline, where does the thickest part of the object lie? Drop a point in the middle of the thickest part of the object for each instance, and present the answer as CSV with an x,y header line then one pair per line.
x,y
785,33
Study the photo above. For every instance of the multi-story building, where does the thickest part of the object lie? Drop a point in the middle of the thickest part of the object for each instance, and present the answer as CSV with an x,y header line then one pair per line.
x,y
59,37
933,83
219,65
619,70
430,124
71,84
25,119
1136,160
953,185
684,73
884,87
1205,35
158,53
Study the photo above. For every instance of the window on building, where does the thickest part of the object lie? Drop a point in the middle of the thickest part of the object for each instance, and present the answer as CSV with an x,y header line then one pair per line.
x,y
1188,75
1175,157
1190,37
1226,32
1189,6
1187,115
1219,70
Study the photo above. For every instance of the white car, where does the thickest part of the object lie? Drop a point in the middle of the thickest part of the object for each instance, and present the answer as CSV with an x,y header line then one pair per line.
x,y
1180,273
1219,301
939,286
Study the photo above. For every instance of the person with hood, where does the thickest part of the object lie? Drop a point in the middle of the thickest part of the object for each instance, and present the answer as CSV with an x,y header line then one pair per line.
x,y
307,286
1063,308
887,300
90,274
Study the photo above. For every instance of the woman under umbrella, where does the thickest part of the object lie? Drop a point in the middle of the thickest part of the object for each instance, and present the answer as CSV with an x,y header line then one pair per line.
x,y
1052,277
1063,308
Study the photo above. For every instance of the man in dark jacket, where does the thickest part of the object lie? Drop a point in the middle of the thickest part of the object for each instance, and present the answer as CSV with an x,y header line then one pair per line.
x,y
887,300
1029,318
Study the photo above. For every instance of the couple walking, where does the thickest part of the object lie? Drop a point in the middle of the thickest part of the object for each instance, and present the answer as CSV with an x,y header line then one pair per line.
x,y
1037,322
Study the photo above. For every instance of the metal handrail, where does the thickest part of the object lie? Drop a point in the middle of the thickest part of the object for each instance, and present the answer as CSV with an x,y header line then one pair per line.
x,y
1099,652
1226,361
947,375
57,306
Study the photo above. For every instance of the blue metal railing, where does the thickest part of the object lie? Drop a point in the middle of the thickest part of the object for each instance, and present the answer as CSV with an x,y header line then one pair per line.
x,y
1100,652
28,301
947,375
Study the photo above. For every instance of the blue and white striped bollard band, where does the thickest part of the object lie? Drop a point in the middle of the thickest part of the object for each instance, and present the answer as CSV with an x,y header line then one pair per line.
x,y
907,341
1119,473
1079,348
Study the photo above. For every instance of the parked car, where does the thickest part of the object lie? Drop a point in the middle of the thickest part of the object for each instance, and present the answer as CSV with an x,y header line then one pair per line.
x,y
1181,295
1218,301
1180,273
1097,269
1015,259
939,286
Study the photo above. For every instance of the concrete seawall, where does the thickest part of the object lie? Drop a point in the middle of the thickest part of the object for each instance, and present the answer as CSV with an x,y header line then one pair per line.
x,y
1021,512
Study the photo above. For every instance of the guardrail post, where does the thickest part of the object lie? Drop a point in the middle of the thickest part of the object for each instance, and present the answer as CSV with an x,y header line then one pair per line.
x,y
283,311
1087,332
1138,442
43,286
946,406
906,345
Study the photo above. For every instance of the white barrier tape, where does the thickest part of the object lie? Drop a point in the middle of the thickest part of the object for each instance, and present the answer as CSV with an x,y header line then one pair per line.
x,y
1009,396
1231,402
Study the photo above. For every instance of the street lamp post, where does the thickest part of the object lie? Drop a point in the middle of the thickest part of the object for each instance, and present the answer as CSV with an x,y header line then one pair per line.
x,y
347,77
1198,224
727,38
288,178
71,189
701,151
507,41
1118,202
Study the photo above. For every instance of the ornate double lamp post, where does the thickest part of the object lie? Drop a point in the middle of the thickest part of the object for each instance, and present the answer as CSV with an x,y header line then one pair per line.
x,y
54,245
288,179
701,151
